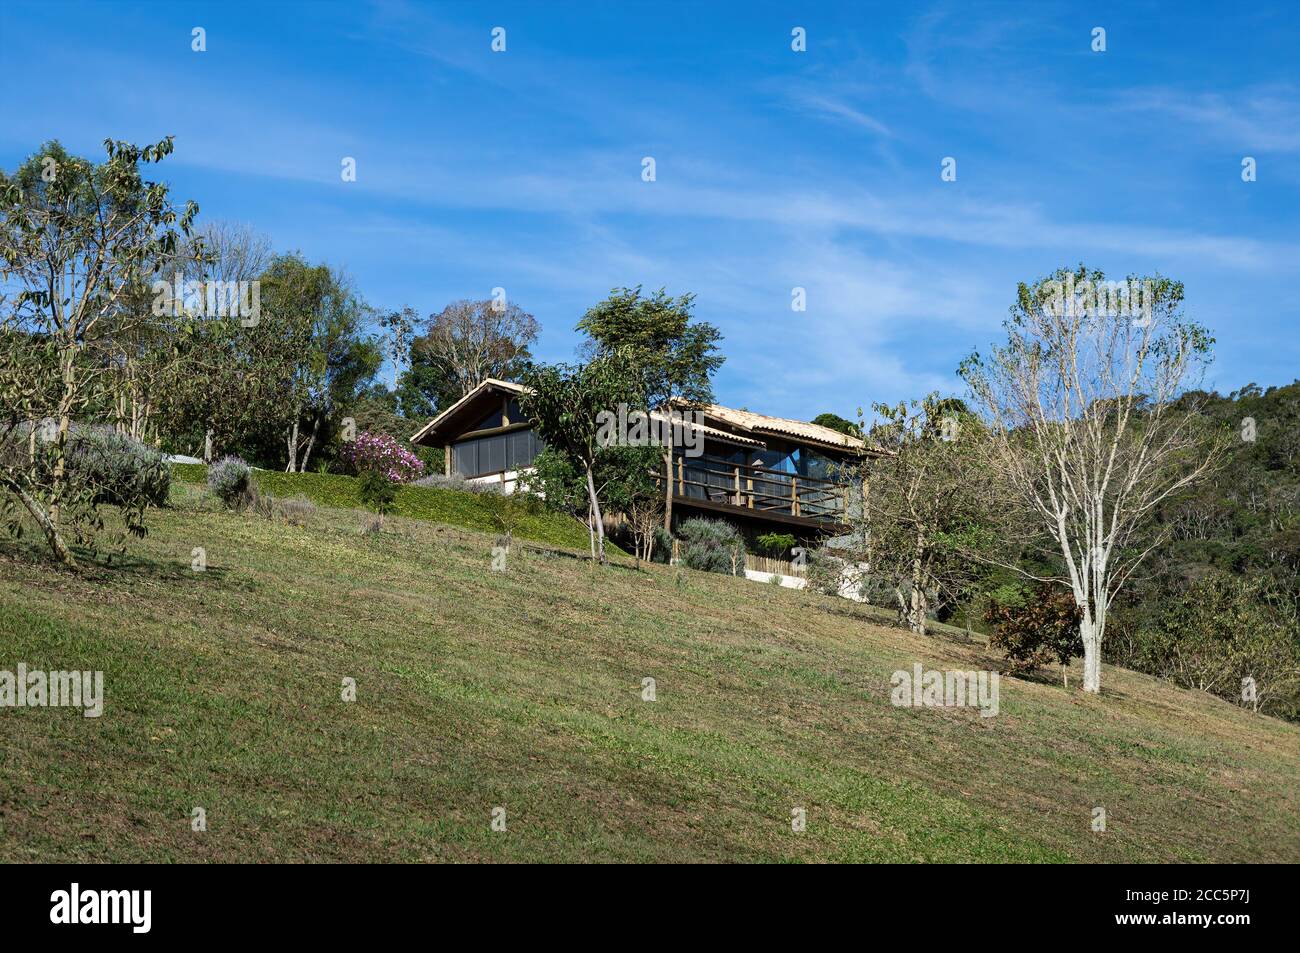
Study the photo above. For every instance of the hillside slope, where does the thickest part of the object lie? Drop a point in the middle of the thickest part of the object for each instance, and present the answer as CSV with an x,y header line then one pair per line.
x,y
522,690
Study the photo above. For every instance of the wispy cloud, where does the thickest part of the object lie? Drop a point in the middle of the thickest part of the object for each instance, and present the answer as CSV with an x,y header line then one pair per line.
x,y
834,108
1263,118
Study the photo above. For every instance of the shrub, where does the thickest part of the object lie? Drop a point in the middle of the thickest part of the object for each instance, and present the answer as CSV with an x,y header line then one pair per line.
x,y
382,454
712,546
1043,628
776,544
377,491
442,482
232,481
824,572
662,551
297,510
116,468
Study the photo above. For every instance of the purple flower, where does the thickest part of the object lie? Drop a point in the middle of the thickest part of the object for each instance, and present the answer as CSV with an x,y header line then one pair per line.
x,y
377,451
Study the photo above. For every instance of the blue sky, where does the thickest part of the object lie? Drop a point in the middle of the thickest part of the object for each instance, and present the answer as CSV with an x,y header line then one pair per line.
x,y
775,169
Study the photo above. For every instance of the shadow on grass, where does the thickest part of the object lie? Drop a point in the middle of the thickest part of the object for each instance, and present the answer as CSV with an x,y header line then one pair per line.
x,y
104,564
585,558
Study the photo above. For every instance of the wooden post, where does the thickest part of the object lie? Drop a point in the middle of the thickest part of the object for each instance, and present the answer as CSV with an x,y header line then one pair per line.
x,y
681,476
735,472
446,459
794,496
749,489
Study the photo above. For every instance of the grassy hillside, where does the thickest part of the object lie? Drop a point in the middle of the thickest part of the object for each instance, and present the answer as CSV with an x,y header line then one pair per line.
x,y
454,507
522,689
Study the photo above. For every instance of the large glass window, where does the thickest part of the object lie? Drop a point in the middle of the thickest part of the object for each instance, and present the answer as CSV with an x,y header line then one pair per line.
x,y
813,464
479,456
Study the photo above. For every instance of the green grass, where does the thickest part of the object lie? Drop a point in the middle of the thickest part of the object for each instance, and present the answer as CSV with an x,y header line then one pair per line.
x,y
522,689
453,507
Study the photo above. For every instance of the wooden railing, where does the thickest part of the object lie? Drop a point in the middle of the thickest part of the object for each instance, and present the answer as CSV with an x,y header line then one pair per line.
x,y
746,486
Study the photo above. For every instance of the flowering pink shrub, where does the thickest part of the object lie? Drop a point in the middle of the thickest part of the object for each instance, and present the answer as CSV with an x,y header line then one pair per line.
x,y
380,452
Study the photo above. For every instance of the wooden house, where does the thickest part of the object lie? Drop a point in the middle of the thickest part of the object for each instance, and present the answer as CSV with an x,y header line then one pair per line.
x,y
763,473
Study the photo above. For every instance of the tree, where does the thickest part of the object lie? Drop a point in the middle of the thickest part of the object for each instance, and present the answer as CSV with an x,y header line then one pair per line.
x,y
375,408
625,481
427,386
214,387
1233,636
471,341
77,241
1086,435
674,357
564,401
398,327
317,320
838,423
922,517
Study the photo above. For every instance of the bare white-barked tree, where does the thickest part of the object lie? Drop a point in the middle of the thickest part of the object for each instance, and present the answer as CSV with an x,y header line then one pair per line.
x,y
1092,420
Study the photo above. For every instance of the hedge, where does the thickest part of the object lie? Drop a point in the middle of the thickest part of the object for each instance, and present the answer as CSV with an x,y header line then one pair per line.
x,y
455,507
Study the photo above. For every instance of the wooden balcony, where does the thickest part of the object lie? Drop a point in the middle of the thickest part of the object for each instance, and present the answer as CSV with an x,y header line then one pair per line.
x,y
716,484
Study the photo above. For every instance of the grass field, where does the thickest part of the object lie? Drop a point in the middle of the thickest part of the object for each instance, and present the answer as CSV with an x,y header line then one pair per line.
x,y
522,689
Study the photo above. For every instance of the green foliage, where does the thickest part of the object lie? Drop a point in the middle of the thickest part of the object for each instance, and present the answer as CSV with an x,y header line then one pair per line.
x,y
838,423
463,345
712,546
1042,628
565,402
663,545
1216,633
1244,519
376,491
927,516
776,544
512,508
375,409
625,476
427,386
673,356
559,481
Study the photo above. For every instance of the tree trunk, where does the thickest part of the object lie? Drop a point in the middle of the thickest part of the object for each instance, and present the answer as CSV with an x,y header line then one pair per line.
x,y
916,620
207,446
596,518
311,442
48,527
292,466
668,489
1088,631
917,611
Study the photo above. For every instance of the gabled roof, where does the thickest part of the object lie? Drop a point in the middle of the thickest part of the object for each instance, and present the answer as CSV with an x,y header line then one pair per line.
x,y
801,430
490,384
725,436
751,425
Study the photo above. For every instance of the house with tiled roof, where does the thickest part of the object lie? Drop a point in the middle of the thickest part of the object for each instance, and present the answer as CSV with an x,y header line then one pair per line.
x,y
764,473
